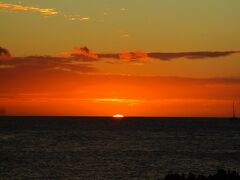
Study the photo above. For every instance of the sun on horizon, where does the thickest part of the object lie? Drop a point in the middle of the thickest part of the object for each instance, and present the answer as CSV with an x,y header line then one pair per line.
x,y
118,116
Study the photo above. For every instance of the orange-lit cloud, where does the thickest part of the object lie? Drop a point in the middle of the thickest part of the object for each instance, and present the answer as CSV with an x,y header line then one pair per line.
x,y
19,7
84,53
133,55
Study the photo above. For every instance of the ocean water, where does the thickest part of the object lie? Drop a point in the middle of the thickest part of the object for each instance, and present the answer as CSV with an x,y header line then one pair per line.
x,y
104,148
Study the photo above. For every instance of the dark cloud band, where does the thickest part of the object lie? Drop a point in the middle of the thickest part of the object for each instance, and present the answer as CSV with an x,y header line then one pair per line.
x,y
81,59
191,55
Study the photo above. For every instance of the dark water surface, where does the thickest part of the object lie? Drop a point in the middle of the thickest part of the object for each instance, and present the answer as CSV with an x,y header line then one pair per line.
x,y
103,148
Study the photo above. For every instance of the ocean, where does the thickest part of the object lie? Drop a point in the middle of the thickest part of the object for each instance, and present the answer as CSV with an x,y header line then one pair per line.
x,y
106,148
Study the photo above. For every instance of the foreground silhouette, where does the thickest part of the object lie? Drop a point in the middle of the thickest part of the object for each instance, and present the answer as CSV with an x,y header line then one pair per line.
x,y
220,175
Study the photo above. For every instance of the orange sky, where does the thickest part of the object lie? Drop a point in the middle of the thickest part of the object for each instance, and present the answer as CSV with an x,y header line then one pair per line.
x,y
137,58
60,92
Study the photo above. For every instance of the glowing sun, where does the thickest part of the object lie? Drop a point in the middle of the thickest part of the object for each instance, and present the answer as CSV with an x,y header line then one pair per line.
x,y
118,116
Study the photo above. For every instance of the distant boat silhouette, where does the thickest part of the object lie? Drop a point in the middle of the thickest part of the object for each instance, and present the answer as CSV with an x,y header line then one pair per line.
x,y
233,118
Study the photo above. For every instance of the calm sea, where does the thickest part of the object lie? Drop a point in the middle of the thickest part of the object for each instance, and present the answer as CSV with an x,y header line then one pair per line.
x,y
103,148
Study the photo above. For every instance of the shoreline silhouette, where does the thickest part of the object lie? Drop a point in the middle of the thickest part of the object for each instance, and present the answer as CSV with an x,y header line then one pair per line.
x,y
221,174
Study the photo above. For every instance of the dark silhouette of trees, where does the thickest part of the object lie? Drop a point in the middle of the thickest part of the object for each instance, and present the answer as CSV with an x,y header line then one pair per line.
x,y
220,175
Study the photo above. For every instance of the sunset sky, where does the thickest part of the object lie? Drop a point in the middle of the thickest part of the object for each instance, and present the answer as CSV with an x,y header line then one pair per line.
x,y
131,57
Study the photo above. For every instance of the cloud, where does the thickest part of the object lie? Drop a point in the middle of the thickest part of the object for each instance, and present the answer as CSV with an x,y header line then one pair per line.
x,y
45,63
2,66
191,55
19,7
125,36
142,56
108,56
43,11
4,54
123,9
139,56
81,59
84,19
84,53
77,18
133,55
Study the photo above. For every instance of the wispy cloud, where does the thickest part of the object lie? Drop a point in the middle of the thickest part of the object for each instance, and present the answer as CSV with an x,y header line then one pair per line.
x,y
42,11
77,18
3,66
124,36
20,7
123,9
